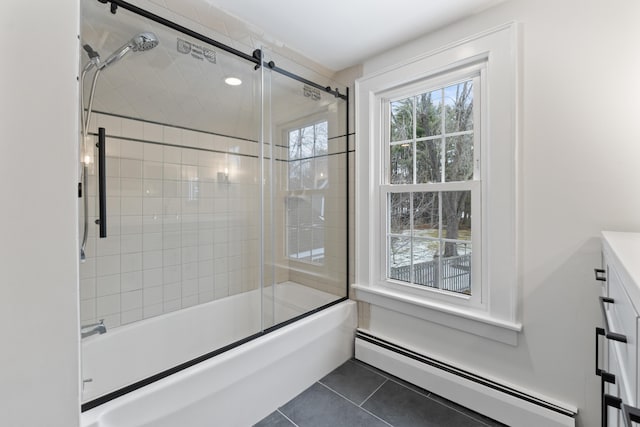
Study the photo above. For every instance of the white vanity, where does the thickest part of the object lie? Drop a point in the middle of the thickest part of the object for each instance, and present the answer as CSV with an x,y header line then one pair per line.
x,y
617,352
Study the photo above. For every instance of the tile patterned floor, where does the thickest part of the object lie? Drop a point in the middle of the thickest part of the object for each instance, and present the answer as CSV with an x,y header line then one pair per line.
x,y
358,395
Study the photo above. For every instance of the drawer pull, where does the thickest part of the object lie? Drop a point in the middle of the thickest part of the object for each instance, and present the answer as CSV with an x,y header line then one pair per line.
x,y
610,335
606,377
600,274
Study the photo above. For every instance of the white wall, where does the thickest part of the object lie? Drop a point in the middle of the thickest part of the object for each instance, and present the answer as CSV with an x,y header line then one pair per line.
x,y
38,219
580,147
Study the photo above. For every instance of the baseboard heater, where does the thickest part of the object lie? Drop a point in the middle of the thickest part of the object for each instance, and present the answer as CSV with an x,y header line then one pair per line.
x,y
485,396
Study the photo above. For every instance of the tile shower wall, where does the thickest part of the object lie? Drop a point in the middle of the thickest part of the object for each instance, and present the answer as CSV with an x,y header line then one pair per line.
x,y
183,222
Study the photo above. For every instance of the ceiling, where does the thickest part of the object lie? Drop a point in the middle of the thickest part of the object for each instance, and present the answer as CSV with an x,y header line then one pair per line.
x,y
338,33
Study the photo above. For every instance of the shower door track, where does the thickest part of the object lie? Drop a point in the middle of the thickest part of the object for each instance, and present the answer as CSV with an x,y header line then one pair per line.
x,y
255,58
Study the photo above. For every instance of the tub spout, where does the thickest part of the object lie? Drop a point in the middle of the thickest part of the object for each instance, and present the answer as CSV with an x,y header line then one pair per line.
x,y
92,329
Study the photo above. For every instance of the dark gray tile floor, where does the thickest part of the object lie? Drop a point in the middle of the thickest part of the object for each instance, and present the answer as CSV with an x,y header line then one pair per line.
x,y
358,395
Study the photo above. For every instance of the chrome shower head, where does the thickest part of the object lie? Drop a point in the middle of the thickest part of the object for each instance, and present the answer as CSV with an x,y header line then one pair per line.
x,y
139,43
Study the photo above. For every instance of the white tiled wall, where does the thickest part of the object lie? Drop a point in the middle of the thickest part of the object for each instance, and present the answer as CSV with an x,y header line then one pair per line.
x,y
180,232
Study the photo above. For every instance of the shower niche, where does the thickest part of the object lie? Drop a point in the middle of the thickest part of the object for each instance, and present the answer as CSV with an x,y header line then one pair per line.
x,y
220,185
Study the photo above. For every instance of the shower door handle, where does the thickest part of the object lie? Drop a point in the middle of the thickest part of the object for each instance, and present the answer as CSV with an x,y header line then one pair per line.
x,y
102,183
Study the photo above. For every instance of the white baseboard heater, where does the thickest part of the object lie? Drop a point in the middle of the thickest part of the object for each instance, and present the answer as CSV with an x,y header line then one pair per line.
x,y
498,401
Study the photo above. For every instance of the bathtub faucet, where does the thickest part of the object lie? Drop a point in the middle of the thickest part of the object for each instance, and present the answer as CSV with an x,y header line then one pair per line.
x,y
92,329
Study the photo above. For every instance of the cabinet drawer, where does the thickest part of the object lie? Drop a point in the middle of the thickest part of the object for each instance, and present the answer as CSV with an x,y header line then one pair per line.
x,y
623,319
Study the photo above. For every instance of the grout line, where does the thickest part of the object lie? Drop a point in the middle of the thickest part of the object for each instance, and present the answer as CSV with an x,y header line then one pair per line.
x,y
353,403
394,379
290,420
457,410
374,392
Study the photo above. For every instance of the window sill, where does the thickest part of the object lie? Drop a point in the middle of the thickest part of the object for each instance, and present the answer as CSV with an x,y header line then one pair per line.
x,y
477,323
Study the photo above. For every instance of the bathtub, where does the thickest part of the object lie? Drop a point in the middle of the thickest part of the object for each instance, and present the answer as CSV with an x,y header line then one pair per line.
x,y
235,388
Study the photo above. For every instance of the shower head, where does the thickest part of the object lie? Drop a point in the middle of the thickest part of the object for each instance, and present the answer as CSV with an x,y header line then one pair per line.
x,y
139,43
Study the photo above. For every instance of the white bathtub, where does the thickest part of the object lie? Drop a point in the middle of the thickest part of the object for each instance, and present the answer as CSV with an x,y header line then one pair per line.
x,y
236,388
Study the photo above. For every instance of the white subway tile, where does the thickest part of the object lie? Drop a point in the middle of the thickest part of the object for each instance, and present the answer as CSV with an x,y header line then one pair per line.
x,y
130,243
152,132
132,129
189,157
189,301
171,274
132,224
189,287
189,254
152,223
152,310
172,291
171,240
169,306
205,268
171,207
189,137
131,300
112,125
88,311
111,321
131,316
189,173
88,268
131,150
131,281
112,148
205,297
152,278
113,167
172,155
130,187
152,259
153,152
205,252
131,206
87,288
108,305
108,285
190,271
171,171
189,238
113,206
108,265
171,257
113,187
172,135
152,206
152,188
152,170
131,168
109,245
152,296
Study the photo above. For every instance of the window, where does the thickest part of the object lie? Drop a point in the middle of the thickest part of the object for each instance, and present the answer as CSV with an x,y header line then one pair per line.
x,y
436,181
307,178
431,188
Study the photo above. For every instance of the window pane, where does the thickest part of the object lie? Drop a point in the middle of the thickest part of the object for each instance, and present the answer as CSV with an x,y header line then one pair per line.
x,y
429,114
306,146
428,160
292,211
400,213
308,175
425,262
456,271
295,182
304,244
459,158
322,173
292,242
294,144
456,219
321,146
401,164
459,107
317,252
400,258
305,212
426,215
402,120
317,206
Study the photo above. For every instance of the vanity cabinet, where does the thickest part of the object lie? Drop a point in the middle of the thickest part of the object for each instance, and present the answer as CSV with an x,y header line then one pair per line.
x,y
617,353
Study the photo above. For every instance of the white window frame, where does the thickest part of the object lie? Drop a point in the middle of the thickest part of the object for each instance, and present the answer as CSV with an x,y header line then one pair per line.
x,y
494,315
478,287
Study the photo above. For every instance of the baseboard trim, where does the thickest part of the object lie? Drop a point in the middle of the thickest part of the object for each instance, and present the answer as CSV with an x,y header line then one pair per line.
x,y
498,401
